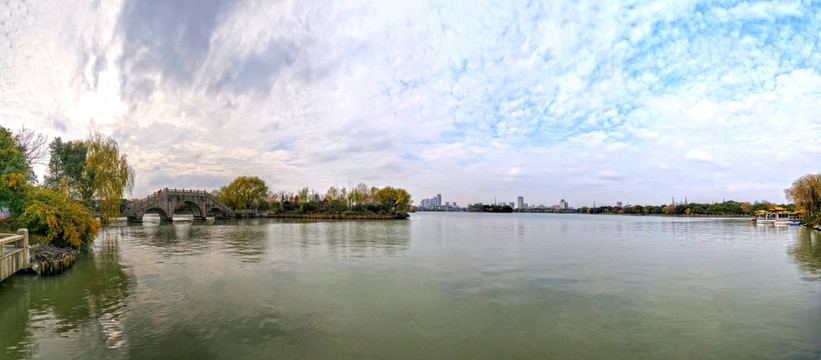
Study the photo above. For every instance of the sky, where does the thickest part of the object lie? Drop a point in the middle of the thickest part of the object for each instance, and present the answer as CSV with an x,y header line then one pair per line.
x,y
480,101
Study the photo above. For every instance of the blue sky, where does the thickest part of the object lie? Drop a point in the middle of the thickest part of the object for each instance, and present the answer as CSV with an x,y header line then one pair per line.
x,y
586,101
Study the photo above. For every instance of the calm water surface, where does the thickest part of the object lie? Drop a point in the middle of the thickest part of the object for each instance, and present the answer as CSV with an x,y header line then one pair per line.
x,y
438,286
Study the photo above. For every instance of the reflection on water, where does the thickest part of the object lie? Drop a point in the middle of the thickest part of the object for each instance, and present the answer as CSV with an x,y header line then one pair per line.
x,y
479,286
807,252
246,241
89,299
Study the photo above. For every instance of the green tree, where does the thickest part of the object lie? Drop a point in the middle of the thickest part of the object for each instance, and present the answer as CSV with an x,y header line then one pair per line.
x,y
332,194
303,195
403,199
13,155
805,192
67,169
15,173
245,193
359,195
108,173
396,199
386,197
49,213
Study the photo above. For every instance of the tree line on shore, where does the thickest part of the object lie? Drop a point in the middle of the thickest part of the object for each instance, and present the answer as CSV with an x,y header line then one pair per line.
x,y
252,193
804,194
84,176
728,207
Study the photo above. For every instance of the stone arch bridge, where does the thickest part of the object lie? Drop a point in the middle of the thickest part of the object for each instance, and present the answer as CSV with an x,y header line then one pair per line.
x,y
165,201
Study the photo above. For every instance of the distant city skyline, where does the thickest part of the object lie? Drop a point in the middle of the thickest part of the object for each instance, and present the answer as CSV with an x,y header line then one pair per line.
x,y
585,101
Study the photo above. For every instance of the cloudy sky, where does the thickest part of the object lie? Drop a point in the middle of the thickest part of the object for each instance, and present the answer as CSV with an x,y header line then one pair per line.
x,y
637,101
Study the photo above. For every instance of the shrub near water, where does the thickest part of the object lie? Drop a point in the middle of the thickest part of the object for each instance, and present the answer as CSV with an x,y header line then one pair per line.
x,y
62,221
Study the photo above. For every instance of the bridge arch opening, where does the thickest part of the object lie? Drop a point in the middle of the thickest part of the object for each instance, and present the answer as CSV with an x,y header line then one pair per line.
x,y
158,211
217,213
189,207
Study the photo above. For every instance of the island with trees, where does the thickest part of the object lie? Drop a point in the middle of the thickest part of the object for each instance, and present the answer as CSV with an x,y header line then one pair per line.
x,y
251,194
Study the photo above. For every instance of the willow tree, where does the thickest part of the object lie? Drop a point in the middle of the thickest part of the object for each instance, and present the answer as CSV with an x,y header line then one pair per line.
x,y
805,192
109,173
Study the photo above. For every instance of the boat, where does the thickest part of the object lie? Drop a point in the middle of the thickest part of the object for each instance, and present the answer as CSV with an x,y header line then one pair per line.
x,y
777,216
763,217
782,218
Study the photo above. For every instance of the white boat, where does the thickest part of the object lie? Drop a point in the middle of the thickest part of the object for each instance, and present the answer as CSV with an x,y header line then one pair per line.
x,y
782,218
777,216
762,217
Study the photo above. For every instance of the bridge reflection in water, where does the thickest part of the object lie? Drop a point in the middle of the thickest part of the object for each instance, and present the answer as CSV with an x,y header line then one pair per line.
x,y
165,201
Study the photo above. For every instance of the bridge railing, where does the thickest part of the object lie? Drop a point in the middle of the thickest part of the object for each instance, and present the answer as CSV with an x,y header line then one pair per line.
x,y
183,191
18,241
166,191
14,257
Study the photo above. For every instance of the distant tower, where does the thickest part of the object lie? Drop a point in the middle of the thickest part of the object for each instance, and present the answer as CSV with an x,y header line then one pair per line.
x,y
438,199
520,202
685,199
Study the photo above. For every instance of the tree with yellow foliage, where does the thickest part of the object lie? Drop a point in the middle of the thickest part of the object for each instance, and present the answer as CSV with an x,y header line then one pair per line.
x,y
805,192
109,172
245,193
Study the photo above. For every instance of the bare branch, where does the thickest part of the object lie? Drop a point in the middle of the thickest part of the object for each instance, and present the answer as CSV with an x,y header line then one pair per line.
x,y
35,144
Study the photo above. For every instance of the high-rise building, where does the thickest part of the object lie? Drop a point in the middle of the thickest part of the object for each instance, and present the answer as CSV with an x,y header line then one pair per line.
x,y
563,205
438,199
520,201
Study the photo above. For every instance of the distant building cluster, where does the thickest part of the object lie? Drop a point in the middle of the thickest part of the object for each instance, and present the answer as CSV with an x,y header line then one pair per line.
x,y
521,205
435,204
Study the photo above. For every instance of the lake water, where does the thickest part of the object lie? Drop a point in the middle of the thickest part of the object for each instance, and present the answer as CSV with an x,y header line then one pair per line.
x,y
436,286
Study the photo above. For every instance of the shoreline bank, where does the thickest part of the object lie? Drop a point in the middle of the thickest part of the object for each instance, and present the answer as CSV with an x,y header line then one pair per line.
x,y
334,216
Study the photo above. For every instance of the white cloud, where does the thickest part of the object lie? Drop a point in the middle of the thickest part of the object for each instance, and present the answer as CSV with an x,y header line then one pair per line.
x,y
428,94
704,157
765,10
